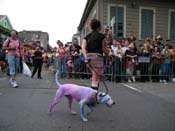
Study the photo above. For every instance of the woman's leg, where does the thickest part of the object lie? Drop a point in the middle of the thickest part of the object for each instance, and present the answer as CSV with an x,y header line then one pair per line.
x,y
17,62
39,69
35,68
12,70
96,72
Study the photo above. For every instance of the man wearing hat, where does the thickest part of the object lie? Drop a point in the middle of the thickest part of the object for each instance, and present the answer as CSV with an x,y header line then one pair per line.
x,y
158,43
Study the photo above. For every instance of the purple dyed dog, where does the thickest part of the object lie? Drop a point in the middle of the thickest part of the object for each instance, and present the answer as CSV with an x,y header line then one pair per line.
x,y
83,95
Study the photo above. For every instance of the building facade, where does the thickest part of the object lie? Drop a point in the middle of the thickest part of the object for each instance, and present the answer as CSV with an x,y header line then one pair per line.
x,y
5,28
30,37
144,18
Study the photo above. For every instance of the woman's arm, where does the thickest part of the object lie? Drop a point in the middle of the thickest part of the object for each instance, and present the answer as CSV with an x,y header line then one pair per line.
x,y
84,51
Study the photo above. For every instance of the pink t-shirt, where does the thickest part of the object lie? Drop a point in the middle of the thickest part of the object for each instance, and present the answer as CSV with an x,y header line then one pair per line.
x,y
12,44
61,52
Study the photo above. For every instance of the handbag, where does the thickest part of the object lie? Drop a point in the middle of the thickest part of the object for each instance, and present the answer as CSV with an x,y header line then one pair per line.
x,y
26,71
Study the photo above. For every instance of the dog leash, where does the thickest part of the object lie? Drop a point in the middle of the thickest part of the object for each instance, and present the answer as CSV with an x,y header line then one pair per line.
x,y
90,66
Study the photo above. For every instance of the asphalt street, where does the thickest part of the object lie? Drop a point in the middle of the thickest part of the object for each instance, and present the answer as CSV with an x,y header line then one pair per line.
x,y
139,107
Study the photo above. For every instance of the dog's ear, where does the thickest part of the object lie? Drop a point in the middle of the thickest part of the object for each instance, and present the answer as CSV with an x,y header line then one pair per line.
x,y
100,94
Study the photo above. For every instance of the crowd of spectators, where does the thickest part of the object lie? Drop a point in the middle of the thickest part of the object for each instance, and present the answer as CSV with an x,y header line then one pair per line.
x,y
152,60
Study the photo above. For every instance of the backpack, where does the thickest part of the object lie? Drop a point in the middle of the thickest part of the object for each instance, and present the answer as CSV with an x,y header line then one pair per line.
x,y
3,52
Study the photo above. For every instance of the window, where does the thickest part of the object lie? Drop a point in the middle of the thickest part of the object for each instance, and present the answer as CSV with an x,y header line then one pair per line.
x,y
117,21
146,23
5,23
172,25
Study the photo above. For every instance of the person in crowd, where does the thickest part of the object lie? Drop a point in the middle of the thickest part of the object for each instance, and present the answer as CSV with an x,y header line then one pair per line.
x,y
149,43
132,38
50,59
158,43
165,63
123,42
173,64
113,46
75,52
125,46
144,64
38,61
62,60
130,56
108,63
93,47
108,34
69,67
45,61
27,58
118,52
13,47
156,61
56,59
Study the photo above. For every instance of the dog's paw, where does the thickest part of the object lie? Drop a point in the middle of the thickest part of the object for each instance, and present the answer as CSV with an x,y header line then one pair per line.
x,y
49,110
85,119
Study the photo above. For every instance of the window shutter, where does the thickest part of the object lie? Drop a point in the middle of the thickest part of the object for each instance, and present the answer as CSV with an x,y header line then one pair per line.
x,y
146,23
172,26
120,14
118,27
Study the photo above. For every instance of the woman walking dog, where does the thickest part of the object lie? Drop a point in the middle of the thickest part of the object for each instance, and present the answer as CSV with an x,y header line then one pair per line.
x,y
93,48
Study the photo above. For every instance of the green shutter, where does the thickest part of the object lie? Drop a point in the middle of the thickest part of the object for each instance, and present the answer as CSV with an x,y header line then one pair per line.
x,y
172,26
119,21
146,23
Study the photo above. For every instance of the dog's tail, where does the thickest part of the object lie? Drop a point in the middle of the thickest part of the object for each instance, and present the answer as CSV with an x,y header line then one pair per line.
x,y
56,78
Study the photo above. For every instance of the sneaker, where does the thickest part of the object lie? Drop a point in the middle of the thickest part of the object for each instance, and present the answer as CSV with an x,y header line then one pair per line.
x,y
133,78
39,77
161,81
173,80
14,84
165,82
129,81
11,81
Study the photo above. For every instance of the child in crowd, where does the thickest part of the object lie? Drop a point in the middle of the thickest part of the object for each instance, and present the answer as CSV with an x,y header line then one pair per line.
x,y
69,66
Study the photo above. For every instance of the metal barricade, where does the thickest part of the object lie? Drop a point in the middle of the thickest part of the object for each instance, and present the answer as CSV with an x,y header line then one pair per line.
x,y
141,69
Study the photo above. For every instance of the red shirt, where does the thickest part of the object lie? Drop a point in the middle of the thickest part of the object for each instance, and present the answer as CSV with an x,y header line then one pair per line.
x,y
61,52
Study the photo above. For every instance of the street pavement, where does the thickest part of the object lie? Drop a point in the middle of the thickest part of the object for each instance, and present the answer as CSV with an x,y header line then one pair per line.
x,y
139,107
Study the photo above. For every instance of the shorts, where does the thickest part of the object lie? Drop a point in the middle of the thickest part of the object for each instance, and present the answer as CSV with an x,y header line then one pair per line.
x,y
11,64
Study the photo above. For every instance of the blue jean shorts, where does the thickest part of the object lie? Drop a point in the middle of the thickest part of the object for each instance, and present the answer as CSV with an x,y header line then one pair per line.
x,y
11,62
